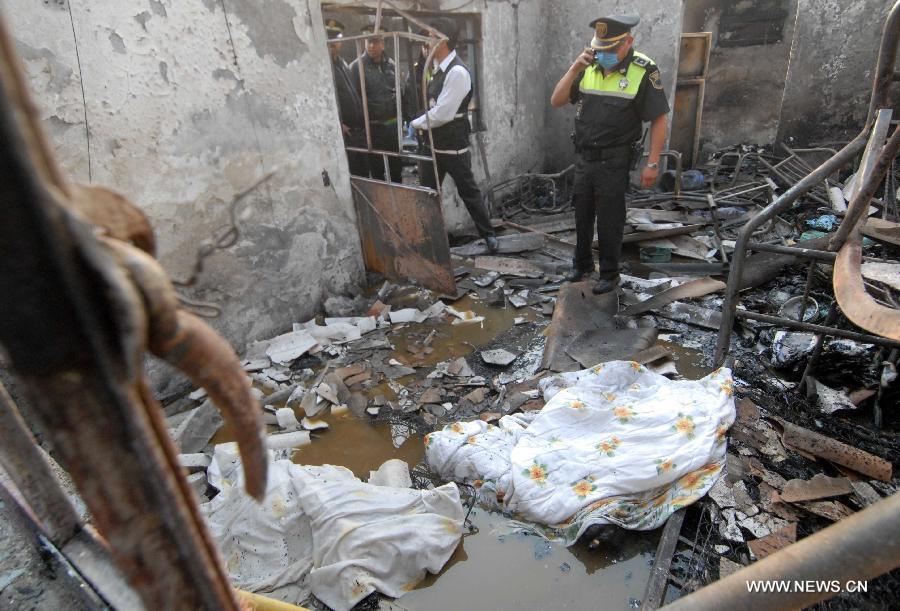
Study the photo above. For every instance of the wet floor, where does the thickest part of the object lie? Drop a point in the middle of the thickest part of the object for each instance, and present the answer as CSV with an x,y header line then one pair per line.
x,y
453,341
495,569
360,445
688,361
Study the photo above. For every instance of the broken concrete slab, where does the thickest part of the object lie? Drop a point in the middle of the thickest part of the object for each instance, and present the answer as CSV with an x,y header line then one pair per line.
x,y
357,404
358,379
835,451
819,487
287,348
431,395
499,357
476,396
460,368
486,280
198,428
283,395
326,392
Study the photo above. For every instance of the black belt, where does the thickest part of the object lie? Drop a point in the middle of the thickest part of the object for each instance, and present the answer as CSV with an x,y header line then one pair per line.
x,y
600,154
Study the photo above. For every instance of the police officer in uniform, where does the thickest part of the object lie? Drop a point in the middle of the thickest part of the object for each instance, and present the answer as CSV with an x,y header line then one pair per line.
x,y
615,90
349,104
381,99
448,95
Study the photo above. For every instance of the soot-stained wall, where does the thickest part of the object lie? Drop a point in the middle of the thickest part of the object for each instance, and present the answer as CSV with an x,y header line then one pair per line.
x,y
183,105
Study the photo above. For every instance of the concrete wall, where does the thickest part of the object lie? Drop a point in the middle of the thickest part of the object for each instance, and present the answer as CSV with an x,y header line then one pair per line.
x,y
745,85
567,33
187,106
830,76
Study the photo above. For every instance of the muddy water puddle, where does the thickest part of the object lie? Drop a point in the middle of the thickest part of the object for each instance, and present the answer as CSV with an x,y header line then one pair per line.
x,y
688,361
453,341
495,569
360,445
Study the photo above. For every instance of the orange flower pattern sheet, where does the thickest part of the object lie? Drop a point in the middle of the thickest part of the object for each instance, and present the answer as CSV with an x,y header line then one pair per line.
x,y
615,443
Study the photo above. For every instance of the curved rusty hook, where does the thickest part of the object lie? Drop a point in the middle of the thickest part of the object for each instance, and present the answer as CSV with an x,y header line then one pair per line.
x,y
186,342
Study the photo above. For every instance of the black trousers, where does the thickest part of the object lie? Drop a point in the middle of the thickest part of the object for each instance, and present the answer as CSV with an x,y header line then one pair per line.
x,y
384,137
599,193
460,168
357,162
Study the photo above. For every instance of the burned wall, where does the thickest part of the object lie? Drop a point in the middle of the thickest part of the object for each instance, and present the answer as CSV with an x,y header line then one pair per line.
x,y
182,106
567,32
751,47
829,81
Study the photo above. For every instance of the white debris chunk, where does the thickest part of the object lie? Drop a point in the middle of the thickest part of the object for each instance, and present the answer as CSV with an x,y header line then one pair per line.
x,y
285,441
498,357
393,472
763,524
287,419
314,425
721,494
194,461
286,348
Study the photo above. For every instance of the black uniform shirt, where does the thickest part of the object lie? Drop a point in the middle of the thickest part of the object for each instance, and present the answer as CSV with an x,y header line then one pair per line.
x,y
607,121
381,90
349,103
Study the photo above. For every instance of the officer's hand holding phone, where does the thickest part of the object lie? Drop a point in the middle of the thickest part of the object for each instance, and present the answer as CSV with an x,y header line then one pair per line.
x,y
584,60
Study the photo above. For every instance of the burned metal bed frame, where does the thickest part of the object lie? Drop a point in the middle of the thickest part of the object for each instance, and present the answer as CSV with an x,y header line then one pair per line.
x,y
882,325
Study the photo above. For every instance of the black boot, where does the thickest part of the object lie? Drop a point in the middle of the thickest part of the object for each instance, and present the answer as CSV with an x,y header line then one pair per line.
x,y
605,285
493,245
577,274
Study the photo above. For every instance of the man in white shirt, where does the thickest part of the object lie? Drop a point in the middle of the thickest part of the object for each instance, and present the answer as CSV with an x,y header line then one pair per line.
x,y
447,99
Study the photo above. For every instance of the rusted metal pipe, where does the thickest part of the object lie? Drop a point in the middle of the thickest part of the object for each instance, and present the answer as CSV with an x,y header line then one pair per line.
x,y
860,547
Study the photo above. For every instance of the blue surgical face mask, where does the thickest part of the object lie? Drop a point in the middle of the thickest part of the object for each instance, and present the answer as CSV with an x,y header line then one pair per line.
x,y
606,59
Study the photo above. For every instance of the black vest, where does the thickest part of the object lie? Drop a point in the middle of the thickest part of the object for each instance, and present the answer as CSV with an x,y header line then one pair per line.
x,y
454,136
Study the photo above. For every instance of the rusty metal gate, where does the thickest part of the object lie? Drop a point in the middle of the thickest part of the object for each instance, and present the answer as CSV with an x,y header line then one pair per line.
x,y
401,227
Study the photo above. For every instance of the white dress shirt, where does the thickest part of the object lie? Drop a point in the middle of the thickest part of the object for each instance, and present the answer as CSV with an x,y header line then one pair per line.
x,y
456,87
